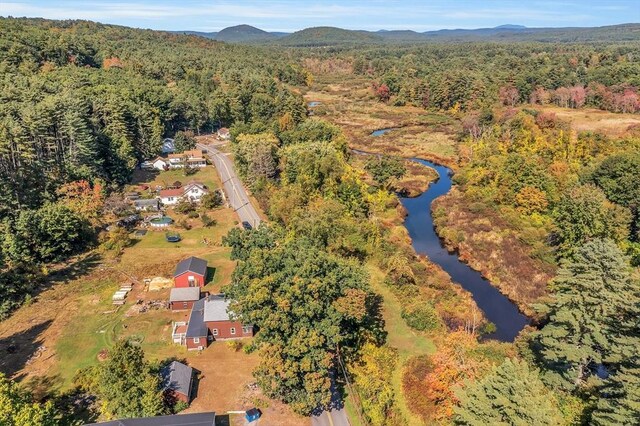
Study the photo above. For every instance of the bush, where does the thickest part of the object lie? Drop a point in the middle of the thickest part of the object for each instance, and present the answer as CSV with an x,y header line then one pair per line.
x,y
180,406
207,221
212,200
192,214
184,224
185,207
235,345
421,317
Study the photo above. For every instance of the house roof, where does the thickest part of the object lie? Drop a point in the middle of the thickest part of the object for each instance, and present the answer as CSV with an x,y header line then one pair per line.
x,y
171,192
177,377
197,419
223,130
184,294
196,326
191,264
155,160
216,308
148,202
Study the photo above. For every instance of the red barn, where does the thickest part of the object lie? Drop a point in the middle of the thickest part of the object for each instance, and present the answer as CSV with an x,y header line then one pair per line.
x,y
219,322
183,298
190,272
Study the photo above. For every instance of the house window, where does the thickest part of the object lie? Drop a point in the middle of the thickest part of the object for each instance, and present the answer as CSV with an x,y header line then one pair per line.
x,y
192,281
214,331
196,340
233,330
170,199
246,329
185,304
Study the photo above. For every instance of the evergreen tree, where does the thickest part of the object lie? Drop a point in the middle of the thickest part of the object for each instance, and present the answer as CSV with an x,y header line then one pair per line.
x,y
593,296
18,409
512,394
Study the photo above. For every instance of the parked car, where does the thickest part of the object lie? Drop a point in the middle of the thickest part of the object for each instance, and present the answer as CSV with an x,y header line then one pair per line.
x,y
246,225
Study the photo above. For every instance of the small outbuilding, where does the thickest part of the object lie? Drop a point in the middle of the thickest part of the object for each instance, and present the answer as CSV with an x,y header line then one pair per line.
x,y
190,272
168,146
160,163
150,205
177,380
224,134
182,299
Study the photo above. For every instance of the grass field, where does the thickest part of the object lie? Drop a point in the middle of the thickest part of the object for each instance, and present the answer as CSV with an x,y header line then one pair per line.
x,y
72,322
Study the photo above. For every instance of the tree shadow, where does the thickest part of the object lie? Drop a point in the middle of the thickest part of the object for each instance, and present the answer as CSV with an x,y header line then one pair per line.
x,y
222,420
17,350
74,270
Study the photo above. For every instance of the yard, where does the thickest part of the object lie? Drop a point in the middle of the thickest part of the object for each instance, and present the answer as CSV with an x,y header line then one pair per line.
x,y
72,323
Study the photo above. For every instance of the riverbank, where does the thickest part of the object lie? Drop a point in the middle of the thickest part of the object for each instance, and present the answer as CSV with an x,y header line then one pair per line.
x,y
484,241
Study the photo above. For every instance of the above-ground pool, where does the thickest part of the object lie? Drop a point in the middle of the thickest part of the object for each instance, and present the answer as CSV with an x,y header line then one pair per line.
x,y
161,222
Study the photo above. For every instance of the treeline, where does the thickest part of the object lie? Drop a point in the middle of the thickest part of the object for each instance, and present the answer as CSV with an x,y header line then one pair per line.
x,y
85,102
470,76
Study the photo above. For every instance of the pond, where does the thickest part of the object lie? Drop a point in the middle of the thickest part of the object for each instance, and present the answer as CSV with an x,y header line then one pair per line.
x,y
313,104
497,308
381,132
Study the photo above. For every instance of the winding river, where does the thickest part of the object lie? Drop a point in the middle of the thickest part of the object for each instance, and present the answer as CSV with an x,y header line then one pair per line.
x,y
497,307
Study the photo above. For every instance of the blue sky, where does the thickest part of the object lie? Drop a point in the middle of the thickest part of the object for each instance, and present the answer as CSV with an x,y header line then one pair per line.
x,y
289,15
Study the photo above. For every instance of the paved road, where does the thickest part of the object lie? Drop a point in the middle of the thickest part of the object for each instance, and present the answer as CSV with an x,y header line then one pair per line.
x,y
335,417
236,194
239,200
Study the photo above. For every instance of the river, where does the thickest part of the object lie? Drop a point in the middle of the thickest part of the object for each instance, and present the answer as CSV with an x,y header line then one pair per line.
x,y
497,308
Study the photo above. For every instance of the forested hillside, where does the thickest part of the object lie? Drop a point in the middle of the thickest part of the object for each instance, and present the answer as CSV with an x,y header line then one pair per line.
x,y
85,101
344,307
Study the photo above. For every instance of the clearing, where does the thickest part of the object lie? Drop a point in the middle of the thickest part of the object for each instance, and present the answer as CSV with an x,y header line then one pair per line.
x,y
72,322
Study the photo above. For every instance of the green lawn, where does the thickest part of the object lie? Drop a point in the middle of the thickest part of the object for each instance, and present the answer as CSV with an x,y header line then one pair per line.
x,y
407,341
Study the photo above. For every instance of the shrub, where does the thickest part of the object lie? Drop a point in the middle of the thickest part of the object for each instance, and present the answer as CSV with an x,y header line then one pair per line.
x,y
185,207
184,224
192,214
234,345
180,406
421,317
207,221
212,200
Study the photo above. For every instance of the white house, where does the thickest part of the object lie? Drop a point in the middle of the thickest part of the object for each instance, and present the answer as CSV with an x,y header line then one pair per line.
x,y
168,146
224,134
193,191
160,163
169,197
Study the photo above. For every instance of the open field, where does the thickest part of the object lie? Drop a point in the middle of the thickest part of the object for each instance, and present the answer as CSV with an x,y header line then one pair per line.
x,y
417,133
595,120
71,324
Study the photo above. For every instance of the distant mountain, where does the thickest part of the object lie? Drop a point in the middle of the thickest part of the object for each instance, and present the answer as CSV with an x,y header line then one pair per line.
x,y
244,34
197,33
510,27
329,36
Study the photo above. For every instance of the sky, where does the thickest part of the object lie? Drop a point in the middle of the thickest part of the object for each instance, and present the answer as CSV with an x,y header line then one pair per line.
x,y
290,15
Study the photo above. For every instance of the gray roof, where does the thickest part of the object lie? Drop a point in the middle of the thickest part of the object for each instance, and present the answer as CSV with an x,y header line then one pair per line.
x,y
191,264
177,377
216,308
197,327
185,294
198,419
148,202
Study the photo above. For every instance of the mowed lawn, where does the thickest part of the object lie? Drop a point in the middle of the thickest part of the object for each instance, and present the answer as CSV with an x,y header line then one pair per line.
x,y
407,341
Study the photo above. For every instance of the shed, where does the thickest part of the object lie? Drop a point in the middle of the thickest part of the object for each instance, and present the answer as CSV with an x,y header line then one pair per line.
x,y
190,272
168,146
182,299
176,381
147,205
